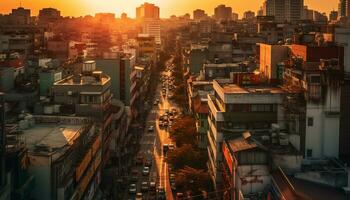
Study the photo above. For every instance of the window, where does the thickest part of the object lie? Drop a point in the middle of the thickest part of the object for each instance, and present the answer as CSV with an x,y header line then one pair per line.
x,y
310,121
309,153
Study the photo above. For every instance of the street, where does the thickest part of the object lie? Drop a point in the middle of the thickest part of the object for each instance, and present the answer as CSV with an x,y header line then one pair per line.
x,y
151,148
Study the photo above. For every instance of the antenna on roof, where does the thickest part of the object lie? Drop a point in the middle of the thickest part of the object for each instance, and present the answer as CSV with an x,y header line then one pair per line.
x,y
20,3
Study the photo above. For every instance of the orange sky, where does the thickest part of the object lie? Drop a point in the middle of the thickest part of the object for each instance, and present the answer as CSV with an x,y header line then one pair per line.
x,y
167,7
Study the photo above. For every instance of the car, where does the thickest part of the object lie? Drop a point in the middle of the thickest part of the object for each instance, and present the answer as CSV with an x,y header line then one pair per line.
x,y
173,186
166,124
138,196
150,129
160,193
144,186
132,189
134,175
172,178
148,163
145,171
171,146
152,185
165,148
139,160
179,196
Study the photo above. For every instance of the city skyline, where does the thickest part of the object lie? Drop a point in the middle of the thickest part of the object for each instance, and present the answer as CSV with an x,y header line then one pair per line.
x,y
168,8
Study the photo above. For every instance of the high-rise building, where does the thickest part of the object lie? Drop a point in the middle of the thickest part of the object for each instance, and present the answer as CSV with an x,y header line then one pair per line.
x,y
20,16
234,16
47,15
284,10
222,12
260,11
342,8
152,28
147,11
293,10
199,14
248,15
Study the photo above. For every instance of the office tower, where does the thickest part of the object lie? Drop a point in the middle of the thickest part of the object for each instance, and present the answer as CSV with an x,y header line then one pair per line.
x,y
199,14
284,10
293,10
147,11
222,12
342,8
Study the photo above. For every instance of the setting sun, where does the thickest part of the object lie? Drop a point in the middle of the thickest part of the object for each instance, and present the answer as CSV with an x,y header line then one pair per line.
x,y
169,7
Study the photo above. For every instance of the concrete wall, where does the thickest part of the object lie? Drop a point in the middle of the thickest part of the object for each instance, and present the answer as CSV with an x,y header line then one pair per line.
x,y
270,55
252,178
323,137
40,168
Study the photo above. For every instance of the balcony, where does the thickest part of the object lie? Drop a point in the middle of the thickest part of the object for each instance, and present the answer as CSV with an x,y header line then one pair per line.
x,y
215,134
214,109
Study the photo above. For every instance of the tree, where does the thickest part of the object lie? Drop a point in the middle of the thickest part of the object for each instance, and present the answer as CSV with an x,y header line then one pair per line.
x,y
193,181
184,131
187,155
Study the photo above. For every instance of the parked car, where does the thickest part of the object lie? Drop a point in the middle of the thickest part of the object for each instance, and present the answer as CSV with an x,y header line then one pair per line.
x,y
139,160
152,185
132,189
148,163
138,196
160,193
134,175
144,186
179,196
145,171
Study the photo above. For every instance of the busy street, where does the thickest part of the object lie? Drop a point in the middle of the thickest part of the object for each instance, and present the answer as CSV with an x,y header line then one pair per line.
x,y
149,176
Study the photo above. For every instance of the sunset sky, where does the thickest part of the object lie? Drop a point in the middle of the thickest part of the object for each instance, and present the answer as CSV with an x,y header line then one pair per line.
x,y
167,7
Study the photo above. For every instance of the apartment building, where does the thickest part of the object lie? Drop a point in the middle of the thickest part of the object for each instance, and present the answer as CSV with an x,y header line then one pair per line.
x,y
234,109
317,71
87,94
65,159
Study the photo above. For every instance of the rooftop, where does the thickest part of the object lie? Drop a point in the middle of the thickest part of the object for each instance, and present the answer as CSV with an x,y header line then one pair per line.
x,y
84,80
241,144
222,65
51,135
230,88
